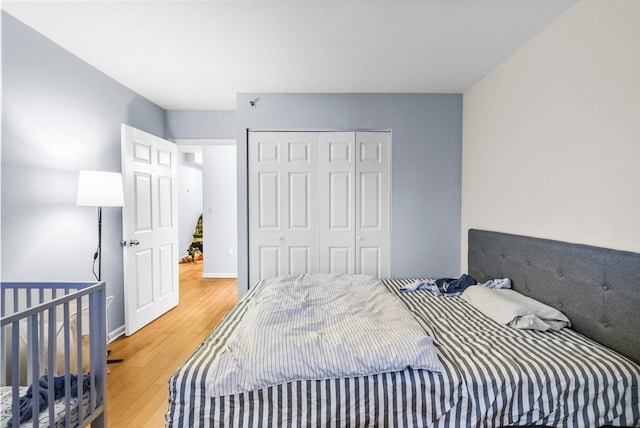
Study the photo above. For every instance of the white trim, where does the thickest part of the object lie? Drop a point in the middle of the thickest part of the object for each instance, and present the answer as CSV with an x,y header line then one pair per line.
x,y
220,275
115,333
204,142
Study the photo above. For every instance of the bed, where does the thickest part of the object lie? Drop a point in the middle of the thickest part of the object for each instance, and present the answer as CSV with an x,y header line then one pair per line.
x,y
490,375
53,358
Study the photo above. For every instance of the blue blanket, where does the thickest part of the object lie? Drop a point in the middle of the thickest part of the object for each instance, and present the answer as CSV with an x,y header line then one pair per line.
x,y
42,395
443,286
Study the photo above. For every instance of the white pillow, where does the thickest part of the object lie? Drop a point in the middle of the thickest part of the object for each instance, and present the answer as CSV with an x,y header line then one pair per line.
x,y
498,283
511,308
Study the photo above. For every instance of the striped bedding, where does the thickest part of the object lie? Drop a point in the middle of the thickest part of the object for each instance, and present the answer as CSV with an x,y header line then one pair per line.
x,y
319,326
491,376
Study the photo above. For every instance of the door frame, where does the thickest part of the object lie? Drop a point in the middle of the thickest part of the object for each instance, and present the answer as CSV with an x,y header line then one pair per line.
x,y
212,142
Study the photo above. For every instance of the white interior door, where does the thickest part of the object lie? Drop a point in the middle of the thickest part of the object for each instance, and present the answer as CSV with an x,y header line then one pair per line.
x,y
283,213
150,227
373,207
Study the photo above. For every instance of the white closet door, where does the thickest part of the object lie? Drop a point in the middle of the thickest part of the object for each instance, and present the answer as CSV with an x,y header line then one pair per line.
x,y
319,202
373,207
283,212
336,201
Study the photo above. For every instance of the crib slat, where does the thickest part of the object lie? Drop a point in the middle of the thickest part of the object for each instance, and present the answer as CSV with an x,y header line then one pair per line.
x,y
51,346
67,363
15,371
3,343
79,329
3,338
35,369
98,348
50,396
3,357
67,399
15,301
41,341
80,364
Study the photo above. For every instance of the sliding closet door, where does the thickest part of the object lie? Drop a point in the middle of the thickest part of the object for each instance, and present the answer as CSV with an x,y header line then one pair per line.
x,y
336,196
283,212
373,203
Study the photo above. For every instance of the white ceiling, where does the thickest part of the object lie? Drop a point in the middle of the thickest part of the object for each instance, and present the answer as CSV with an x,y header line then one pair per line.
x,y
196,55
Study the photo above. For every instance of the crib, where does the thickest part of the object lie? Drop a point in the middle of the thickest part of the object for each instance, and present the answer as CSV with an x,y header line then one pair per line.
x,y
53,358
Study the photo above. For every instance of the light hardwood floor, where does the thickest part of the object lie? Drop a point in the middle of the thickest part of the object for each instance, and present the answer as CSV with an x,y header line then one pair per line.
x,y
138,388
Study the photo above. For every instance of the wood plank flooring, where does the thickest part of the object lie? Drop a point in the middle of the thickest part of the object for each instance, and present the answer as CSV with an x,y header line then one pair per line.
x,y
138,388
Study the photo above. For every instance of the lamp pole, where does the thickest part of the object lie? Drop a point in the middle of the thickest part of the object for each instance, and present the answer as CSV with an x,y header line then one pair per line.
x,y
99,243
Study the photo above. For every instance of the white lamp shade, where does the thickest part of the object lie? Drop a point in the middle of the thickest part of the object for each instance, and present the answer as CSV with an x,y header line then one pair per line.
x,y
100,189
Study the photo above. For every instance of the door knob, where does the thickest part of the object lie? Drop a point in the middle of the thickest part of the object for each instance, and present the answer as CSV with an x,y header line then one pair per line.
x,y
131,242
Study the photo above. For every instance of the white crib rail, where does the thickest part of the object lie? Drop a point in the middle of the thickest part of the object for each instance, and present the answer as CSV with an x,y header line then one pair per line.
x,y
37,308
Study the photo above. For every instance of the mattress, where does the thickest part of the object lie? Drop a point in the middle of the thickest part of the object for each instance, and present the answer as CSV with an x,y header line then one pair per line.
x,y
59,410
491,376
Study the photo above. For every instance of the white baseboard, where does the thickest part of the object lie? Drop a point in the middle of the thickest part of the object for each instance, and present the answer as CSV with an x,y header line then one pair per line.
x,y
219,275
113,335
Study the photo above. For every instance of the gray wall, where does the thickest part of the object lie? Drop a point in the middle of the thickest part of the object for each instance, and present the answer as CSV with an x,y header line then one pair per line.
x,y
219,211
60,115
196,124
189,196
426,166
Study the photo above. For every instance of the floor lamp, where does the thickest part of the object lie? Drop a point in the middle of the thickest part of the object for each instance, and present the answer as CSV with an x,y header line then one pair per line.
x,y
100,189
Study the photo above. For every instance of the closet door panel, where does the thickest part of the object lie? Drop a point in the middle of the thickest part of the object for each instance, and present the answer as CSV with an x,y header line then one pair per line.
x,y
336,193
373,210
369,261
299,201
370,201
300,237
340,211
283,226
299,260
340,259
268,201
268,262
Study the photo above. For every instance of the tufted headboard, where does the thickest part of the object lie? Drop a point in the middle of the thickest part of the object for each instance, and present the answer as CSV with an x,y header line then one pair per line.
x,y
597,288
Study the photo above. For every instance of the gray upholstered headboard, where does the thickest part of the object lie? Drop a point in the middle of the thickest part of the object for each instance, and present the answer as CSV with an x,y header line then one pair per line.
x,y
597,288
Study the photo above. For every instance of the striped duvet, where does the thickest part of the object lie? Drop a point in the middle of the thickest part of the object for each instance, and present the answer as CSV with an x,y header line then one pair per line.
x,y
319,326
491,376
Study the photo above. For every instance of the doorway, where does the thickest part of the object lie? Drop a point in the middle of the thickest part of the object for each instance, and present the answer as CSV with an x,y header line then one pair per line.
x,y
207,186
